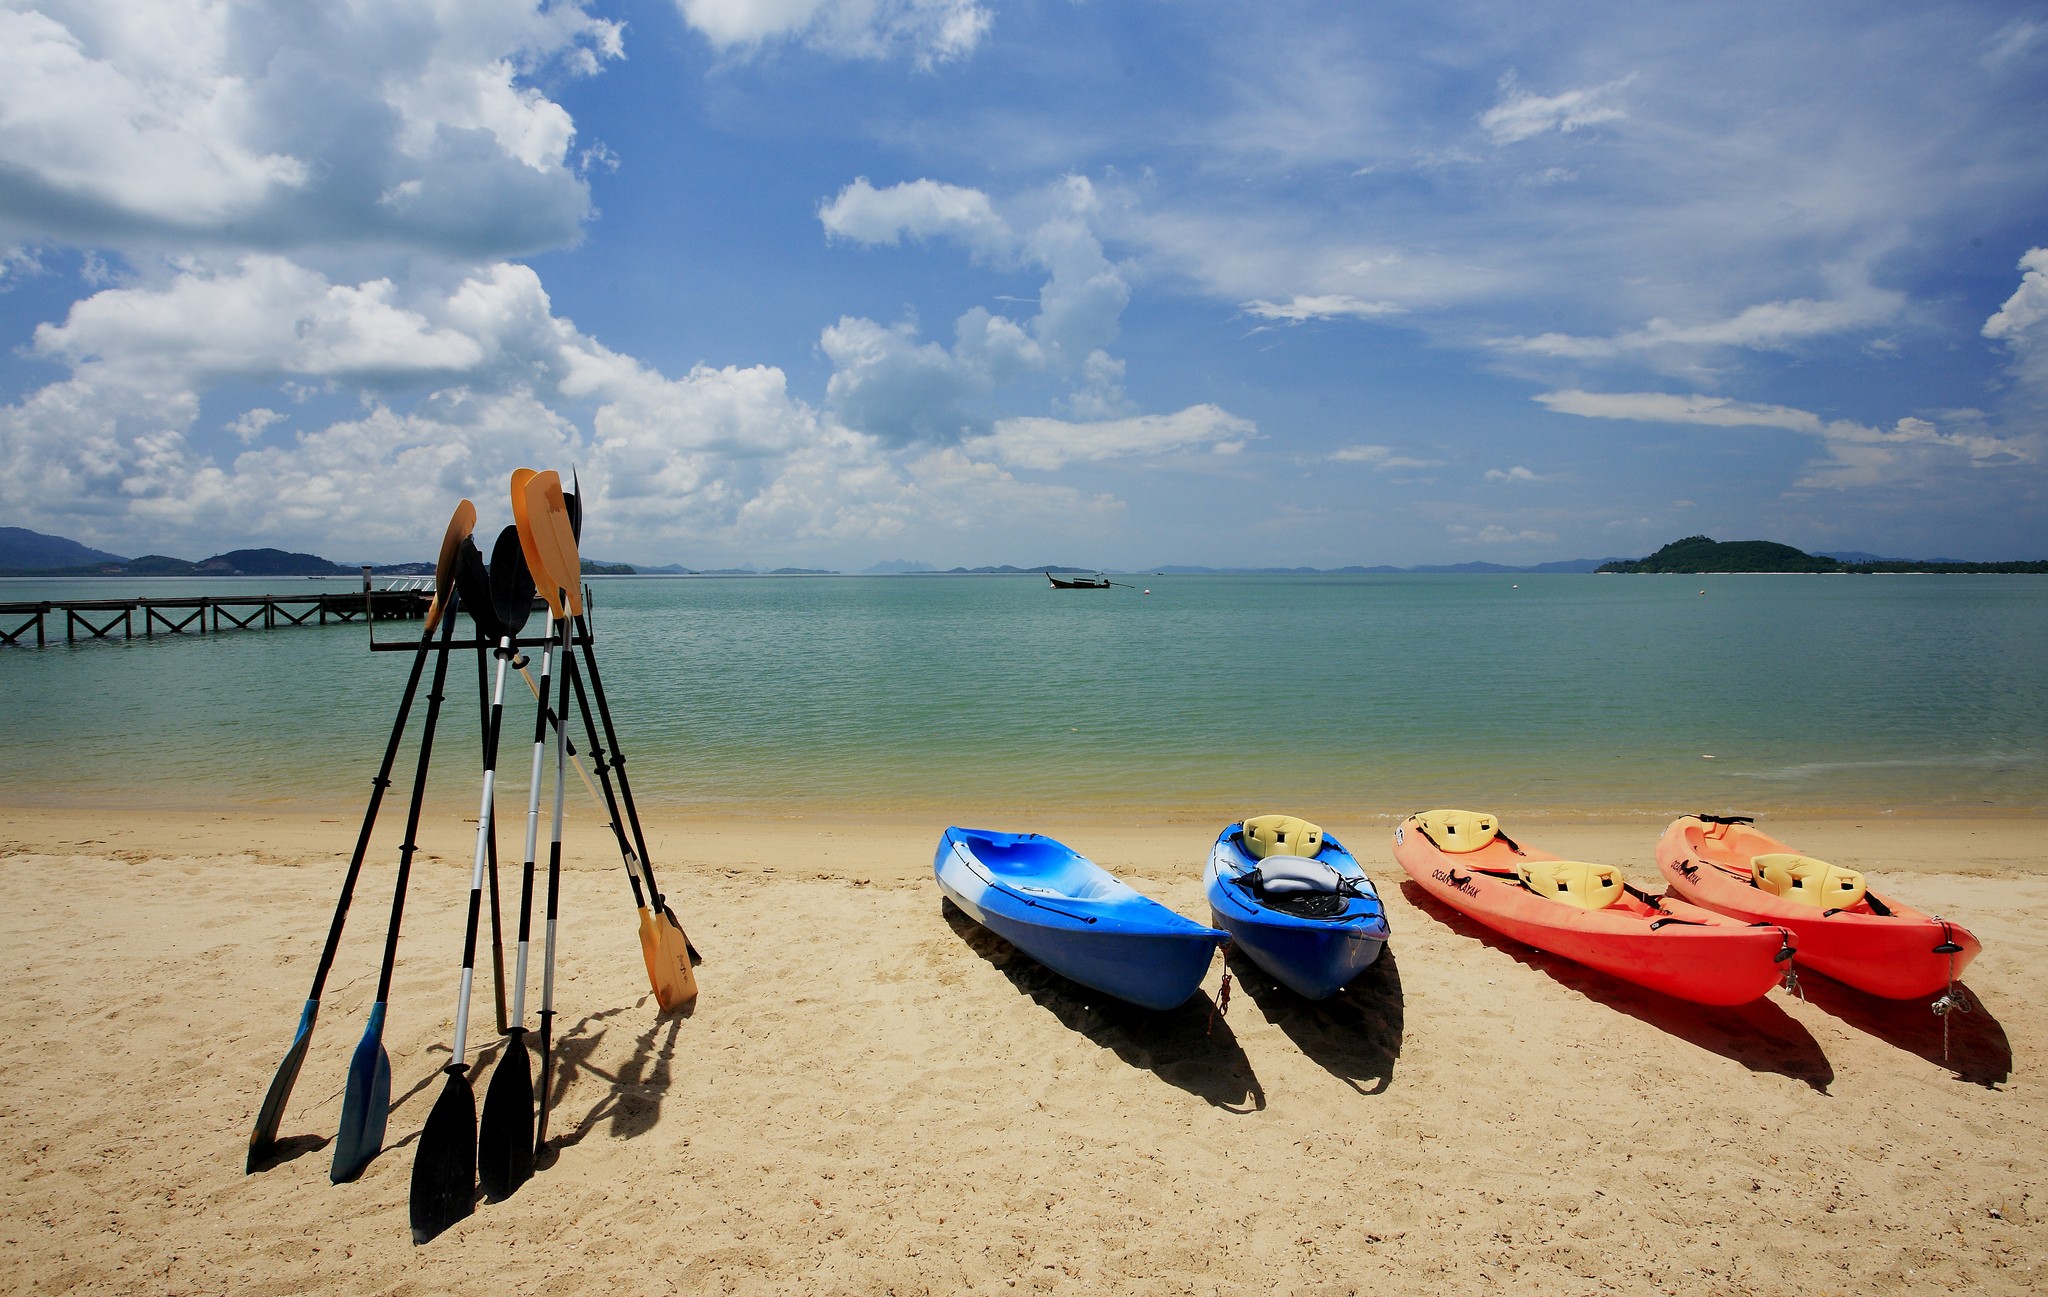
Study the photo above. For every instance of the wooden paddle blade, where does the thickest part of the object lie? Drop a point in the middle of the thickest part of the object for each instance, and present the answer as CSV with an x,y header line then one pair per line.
x,y
473,587
547,520
365,1104
444,1169
263,1139
460,525
504,1137
511,583
529,540
667,955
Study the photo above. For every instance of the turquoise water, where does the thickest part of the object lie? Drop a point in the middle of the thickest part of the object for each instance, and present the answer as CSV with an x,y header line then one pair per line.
x,y
1333,696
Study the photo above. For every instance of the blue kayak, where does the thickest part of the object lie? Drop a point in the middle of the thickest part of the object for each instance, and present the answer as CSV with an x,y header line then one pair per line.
x,y
1073,916
1313,920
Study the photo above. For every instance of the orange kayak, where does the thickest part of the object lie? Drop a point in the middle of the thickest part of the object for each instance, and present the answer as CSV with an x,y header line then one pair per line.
x,y
1588,913
1842,928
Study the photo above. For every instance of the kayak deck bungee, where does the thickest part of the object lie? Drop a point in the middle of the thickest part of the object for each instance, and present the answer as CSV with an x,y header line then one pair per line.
x,y
1587,913
1073,916
1295,902
1842,928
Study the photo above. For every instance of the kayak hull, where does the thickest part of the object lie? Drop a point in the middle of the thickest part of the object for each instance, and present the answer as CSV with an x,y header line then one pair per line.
x,y
1312,957
1672,947
1074,917
1893,955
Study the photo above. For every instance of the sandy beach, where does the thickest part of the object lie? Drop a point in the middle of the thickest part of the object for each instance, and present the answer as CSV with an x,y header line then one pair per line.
x,y
874,1096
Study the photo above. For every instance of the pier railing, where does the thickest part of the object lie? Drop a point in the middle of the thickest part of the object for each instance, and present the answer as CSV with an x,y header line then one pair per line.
x,y
93,619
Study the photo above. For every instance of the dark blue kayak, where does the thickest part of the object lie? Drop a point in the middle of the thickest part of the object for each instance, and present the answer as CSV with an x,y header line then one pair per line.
x,y
1073,916
1313,922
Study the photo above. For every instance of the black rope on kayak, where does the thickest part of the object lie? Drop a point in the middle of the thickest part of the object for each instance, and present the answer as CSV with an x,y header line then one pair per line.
x,y
1955,999
1790,981
1725,819
1222,1005
968,860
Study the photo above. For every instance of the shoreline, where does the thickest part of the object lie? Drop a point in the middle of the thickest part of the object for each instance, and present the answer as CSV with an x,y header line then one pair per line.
x,y
874,1095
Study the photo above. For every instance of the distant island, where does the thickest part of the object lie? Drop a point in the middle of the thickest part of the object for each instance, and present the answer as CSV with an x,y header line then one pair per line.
x,y
1699,555
29,553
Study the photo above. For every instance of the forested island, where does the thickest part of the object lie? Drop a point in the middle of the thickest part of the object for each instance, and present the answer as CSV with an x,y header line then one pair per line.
x,y
1702,554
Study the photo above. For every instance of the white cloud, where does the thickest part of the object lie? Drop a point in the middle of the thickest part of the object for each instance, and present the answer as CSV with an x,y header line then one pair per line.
x,y
1858,455
1515,474
920,209
2013,42
2021,324
1323,306
1496,535
293,126
251,424
1049,444
892,385
1380,457
1761,327
932,31
1520,115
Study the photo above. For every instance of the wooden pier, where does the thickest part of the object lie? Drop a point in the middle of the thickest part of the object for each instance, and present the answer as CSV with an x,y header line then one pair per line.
x,y
93,619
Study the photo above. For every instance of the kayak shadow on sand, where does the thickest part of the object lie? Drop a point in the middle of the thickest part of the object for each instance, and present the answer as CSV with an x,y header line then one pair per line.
x,y
1355,1035
633,1104
1191,1046
1759,1035
1978,1051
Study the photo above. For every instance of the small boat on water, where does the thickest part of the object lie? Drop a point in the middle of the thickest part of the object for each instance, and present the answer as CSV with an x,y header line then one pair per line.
x,y
1075,582
1853,934
1296,902
1073,916
1588,913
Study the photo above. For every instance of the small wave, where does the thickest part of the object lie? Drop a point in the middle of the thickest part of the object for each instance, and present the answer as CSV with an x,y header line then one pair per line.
x,y
1817,769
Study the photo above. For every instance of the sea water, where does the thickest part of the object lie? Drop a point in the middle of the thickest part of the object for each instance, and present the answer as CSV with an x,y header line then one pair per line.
x,y
1000,699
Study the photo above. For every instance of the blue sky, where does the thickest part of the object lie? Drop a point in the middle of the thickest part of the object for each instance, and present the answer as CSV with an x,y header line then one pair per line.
x,y
836,282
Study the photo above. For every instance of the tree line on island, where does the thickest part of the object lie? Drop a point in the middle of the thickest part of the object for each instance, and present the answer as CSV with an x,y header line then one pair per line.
x,y
1696,555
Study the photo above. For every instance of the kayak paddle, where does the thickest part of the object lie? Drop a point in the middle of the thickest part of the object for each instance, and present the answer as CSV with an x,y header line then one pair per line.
x,y
366,1101
263,1138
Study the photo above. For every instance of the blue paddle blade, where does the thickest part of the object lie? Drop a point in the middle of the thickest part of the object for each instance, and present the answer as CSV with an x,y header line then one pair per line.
x,y
511,583
263,1140
504,1138
365,1105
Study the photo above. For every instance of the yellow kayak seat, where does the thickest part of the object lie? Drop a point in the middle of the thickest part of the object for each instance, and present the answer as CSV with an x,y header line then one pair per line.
x,y
1281,835
1572,882
1793,877
1457,832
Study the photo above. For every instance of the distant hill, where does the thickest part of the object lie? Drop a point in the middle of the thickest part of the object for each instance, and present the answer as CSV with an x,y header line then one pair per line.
x,y
25,550
1702,554
1705,554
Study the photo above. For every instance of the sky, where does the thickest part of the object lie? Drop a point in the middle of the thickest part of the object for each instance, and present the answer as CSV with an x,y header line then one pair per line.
x,y
839,283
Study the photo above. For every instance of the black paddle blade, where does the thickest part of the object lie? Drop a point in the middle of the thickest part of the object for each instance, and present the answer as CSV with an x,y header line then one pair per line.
x,y
263,1139
574,499
504,1139
444,1169
473,587
511,583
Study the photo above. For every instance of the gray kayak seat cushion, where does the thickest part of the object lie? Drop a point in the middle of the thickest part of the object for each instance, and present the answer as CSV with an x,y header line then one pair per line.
x,y
1281,875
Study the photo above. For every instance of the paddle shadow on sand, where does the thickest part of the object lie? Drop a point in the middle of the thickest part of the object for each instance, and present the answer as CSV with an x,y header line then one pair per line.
x,y
1355,1035
633,1105
1759,1035
1191,1046
1978,1051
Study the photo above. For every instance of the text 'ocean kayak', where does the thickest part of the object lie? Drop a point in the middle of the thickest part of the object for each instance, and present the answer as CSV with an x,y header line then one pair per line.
x,y
1588,913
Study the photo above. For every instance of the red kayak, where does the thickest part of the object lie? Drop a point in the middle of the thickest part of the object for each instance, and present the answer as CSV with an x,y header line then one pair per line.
x,y
1841,927
1588,913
